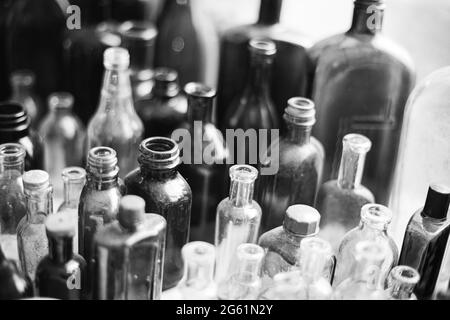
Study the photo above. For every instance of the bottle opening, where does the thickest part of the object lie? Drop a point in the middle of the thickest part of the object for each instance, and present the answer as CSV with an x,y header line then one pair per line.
x,y
159,153
102,158
262,47
405,274
60,100
357,143
199,90
243,173
249,251
61,225
300,111
198,250
376,214
316,245
11,153
74,174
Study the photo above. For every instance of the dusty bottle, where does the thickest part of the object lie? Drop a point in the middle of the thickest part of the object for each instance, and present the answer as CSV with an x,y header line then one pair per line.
x,y
165,193
300,162
22,84
61,274
401,283
15,285
116,123
31,239
351,93
206,166
340,201
130,254
238,219
426,239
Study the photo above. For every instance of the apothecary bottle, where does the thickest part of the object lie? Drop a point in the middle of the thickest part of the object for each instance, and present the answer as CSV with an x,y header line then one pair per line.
x,y
15,285
340,201
401,283
361,83
31,238
61,274
299,162
130,254
165,193
116,123
238,219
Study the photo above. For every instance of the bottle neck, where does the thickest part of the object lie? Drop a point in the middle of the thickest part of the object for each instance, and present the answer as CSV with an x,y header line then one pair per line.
x,y
270,11
199,275
241,193
72,192
367,17
298,134
199,109
116,92
60,249
21,91
259,77
351,169
39,203
100,182
12,169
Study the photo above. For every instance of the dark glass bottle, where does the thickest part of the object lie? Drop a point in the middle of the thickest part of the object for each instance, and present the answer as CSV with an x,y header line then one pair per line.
x,y
166,193
426,239
299,162
292,68
5,89
125,10
205,156
14,284
61,274
165,110
15,128
361,85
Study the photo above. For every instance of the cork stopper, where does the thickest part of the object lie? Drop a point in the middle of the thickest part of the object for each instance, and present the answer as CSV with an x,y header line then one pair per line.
x,y
61,225
302,220
34,180
131,212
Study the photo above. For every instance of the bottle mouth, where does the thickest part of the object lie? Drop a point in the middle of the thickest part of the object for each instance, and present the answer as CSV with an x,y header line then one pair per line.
x,y
74,174
102,161
357,143
262,47
11,153
300,111
22,78
116,58
159,153
376,215
405,274
13,117
60,100
199,90
243,173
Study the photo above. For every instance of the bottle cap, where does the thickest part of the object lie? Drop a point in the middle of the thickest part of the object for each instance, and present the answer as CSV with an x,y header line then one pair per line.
x,y
22,78
131,211
11,153
116,58
243,173
61,225
60,100
376,215
302,220
36,180
437,202
300,111
159,153
357,143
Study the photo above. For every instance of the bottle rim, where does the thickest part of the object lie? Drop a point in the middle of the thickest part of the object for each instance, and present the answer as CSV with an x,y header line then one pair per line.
x,y
405,274
159,153
300,111
357,143
73,174
376,214
116,58
243,173
199,90
12,153
262,47
60,225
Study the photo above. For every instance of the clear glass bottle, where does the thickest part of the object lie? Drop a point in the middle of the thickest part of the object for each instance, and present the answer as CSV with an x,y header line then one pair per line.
x,y
340,201
300,164
206,165
64,137
361,83
12,198
31,238
61,274
116,123
130,254
401,283
365,274
375,220
238,219
426,239
244,281
166,109
165,193
15,285
22,84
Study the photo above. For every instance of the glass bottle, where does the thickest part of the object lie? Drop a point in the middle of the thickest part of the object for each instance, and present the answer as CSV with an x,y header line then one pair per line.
x,y
244,282
401,283
165,193
443,294
22,84
361,83
31,239
15,285
238,219
340,201
166,109
61,274
74,179
300,162
292,69
116,123
12,199
286,286
375,220
64,137
205,161
5,89
130,254
426,239
366,273
15,128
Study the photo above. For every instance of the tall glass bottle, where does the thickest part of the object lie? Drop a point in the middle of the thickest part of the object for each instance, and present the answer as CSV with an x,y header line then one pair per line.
x,y
340,201
116,123
300,162
401,283
64,137
361,84
61,274
130,254
15,285
166,109
166,193
31,239
207,156
375,220
22,85
12,198
426,239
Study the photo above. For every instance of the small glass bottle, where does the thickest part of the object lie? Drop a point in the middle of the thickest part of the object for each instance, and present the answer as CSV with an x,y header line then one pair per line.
x,y
365,274
31,238
15,285
64,137
12,198
166,109
401,283
244,281
426,239
130,254
116,123
61,274
165,193
238,219
375,220
340,201
300,162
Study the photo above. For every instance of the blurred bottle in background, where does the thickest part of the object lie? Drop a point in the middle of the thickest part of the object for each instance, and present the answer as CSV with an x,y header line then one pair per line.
x,y
5,89
15,285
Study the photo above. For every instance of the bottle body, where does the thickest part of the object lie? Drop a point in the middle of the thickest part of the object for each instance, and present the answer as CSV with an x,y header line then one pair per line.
x,y
14,284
